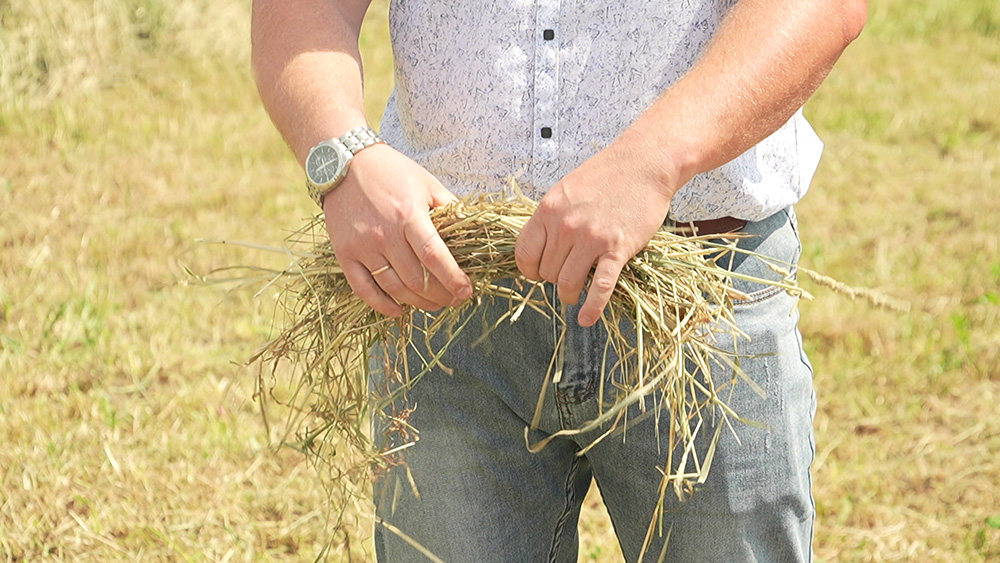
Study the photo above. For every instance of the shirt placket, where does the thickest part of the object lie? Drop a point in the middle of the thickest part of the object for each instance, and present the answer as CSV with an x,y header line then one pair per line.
x,y
545,133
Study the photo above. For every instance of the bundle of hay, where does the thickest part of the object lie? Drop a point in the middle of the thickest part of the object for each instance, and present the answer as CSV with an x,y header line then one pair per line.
x,y
674,300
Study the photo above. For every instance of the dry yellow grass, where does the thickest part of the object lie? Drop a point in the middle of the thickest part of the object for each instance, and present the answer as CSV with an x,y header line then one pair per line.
x,y
677,293
130,434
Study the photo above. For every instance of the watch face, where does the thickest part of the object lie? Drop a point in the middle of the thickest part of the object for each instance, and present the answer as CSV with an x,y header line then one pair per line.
x,y
324,164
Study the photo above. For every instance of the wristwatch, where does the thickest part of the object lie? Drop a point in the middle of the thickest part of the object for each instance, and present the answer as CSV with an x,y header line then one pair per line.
x,y
328,161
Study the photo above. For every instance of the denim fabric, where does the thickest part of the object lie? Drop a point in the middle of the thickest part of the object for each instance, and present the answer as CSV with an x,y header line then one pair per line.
x,y
484,497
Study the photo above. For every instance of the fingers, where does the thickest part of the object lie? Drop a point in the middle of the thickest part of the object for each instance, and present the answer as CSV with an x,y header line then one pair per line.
x,y
543,258
529,248
364,286
572,277
432,253
440,195
383,289
609,267
551,268
390,263
392,284
407,269
410,282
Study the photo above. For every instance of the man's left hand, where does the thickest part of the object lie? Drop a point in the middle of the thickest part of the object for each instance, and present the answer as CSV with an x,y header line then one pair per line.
x,y
596,218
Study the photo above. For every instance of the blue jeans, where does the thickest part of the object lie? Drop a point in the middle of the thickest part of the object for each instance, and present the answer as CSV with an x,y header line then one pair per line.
x,y
484,497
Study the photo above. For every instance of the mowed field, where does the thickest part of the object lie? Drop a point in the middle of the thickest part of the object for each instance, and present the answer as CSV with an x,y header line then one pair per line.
x,y
130,130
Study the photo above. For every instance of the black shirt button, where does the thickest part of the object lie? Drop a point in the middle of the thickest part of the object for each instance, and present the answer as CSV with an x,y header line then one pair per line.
x,y
549,34
546,132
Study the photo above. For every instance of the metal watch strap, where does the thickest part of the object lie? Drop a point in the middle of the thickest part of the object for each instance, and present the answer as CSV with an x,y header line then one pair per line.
x,y
359,138
354,140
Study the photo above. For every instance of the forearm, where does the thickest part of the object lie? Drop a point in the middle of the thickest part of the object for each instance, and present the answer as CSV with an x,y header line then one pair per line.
x,y
308,70
766,60
307,67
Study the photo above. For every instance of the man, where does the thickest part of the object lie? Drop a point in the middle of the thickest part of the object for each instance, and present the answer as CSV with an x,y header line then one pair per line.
x,y
615,115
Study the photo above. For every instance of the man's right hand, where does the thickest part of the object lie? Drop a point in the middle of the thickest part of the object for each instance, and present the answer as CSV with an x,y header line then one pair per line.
x,y
379,226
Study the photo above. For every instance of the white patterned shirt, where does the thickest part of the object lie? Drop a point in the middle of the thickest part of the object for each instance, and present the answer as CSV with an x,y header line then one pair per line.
x,y
529,89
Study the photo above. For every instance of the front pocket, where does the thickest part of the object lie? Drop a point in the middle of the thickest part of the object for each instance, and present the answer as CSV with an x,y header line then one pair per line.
x,y
759,296
775,239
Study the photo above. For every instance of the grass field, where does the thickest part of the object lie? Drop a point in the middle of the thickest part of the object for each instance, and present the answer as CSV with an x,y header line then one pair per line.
x,y
131,129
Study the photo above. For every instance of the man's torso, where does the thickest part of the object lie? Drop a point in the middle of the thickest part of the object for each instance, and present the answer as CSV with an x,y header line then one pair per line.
x,y
489,91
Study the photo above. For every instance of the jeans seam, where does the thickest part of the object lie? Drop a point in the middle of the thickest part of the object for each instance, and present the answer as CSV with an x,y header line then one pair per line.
x,y
565,400
803,358
567,508
762,295
574,396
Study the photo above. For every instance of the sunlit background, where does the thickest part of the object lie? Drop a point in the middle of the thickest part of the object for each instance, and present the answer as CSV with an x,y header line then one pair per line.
x,y
130,130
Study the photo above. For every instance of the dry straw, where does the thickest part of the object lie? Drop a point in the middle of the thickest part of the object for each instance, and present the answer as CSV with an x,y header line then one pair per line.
x,y
672,306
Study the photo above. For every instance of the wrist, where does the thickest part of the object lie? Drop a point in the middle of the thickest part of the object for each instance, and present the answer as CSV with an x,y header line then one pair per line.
x,y
362,174
370,157
329,162
331,126
652,159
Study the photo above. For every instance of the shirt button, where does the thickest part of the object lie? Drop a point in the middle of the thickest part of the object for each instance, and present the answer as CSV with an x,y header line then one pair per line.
x,y
549,34
546,132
